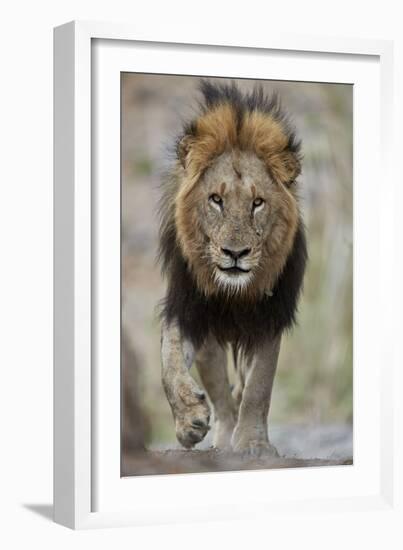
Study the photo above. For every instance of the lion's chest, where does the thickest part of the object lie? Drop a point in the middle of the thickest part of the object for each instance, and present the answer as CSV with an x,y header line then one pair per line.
x,y
240,324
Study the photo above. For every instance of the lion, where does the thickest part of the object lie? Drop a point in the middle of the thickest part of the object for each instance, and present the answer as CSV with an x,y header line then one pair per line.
x,y
233,251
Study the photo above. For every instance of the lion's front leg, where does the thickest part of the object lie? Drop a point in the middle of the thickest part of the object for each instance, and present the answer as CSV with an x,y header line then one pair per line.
x,y
211,363
251,433
188,402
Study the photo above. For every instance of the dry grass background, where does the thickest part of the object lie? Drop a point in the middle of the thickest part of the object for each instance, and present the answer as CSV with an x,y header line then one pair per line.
x,y
313,387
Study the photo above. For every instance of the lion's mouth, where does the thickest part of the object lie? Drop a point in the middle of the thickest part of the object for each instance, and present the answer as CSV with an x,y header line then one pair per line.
x,y
235,269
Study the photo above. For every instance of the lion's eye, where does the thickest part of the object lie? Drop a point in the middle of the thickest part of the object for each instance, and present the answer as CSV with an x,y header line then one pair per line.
x,y
216,198
258,202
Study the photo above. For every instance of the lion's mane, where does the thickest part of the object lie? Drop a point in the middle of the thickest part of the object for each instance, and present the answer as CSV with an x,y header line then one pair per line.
x,y
230,120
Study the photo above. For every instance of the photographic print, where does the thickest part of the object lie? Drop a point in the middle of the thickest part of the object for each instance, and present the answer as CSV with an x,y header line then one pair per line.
x,y
236,274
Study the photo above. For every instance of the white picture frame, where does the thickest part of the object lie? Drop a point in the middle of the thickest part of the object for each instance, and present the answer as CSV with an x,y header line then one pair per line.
x,y
88,490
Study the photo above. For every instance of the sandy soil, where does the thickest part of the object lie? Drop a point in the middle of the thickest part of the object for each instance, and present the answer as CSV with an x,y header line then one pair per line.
x,y
181,461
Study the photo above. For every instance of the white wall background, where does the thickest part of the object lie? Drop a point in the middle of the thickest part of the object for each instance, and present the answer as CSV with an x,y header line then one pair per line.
x,y
26,265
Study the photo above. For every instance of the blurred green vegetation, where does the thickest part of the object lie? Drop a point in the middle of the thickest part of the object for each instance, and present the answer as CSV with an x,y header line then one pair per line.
x,y
314,382
142,167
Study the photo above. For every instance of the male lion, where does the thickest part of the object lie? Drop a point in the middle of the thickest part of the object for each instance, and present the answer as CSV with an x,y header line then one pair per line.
x,y
232,247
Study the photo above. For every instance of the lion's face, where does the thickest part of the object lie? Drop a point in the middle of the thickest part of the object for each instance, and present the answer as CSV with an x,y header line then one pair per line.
x,y
237,226
235,217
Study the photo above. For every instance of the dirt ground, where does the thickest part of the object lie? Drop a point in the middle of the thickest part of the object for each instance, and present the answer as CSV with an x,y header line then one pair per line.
x,y
212,460
299,446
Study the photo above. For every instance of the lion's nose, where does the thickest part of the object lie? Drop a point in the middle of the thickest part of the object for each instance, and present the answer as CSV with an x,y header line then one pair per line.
x,y
236,254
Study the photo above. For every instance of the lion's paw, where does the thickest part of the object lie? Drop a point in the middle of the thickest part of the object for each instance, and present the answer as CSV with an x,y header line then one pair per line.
x,y
260,449
255,447
192,419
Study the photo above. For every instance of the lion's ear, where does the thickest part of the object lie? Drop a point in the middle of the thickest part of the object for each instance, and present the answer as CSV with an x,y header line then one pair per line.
x,y
285,167
183,149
